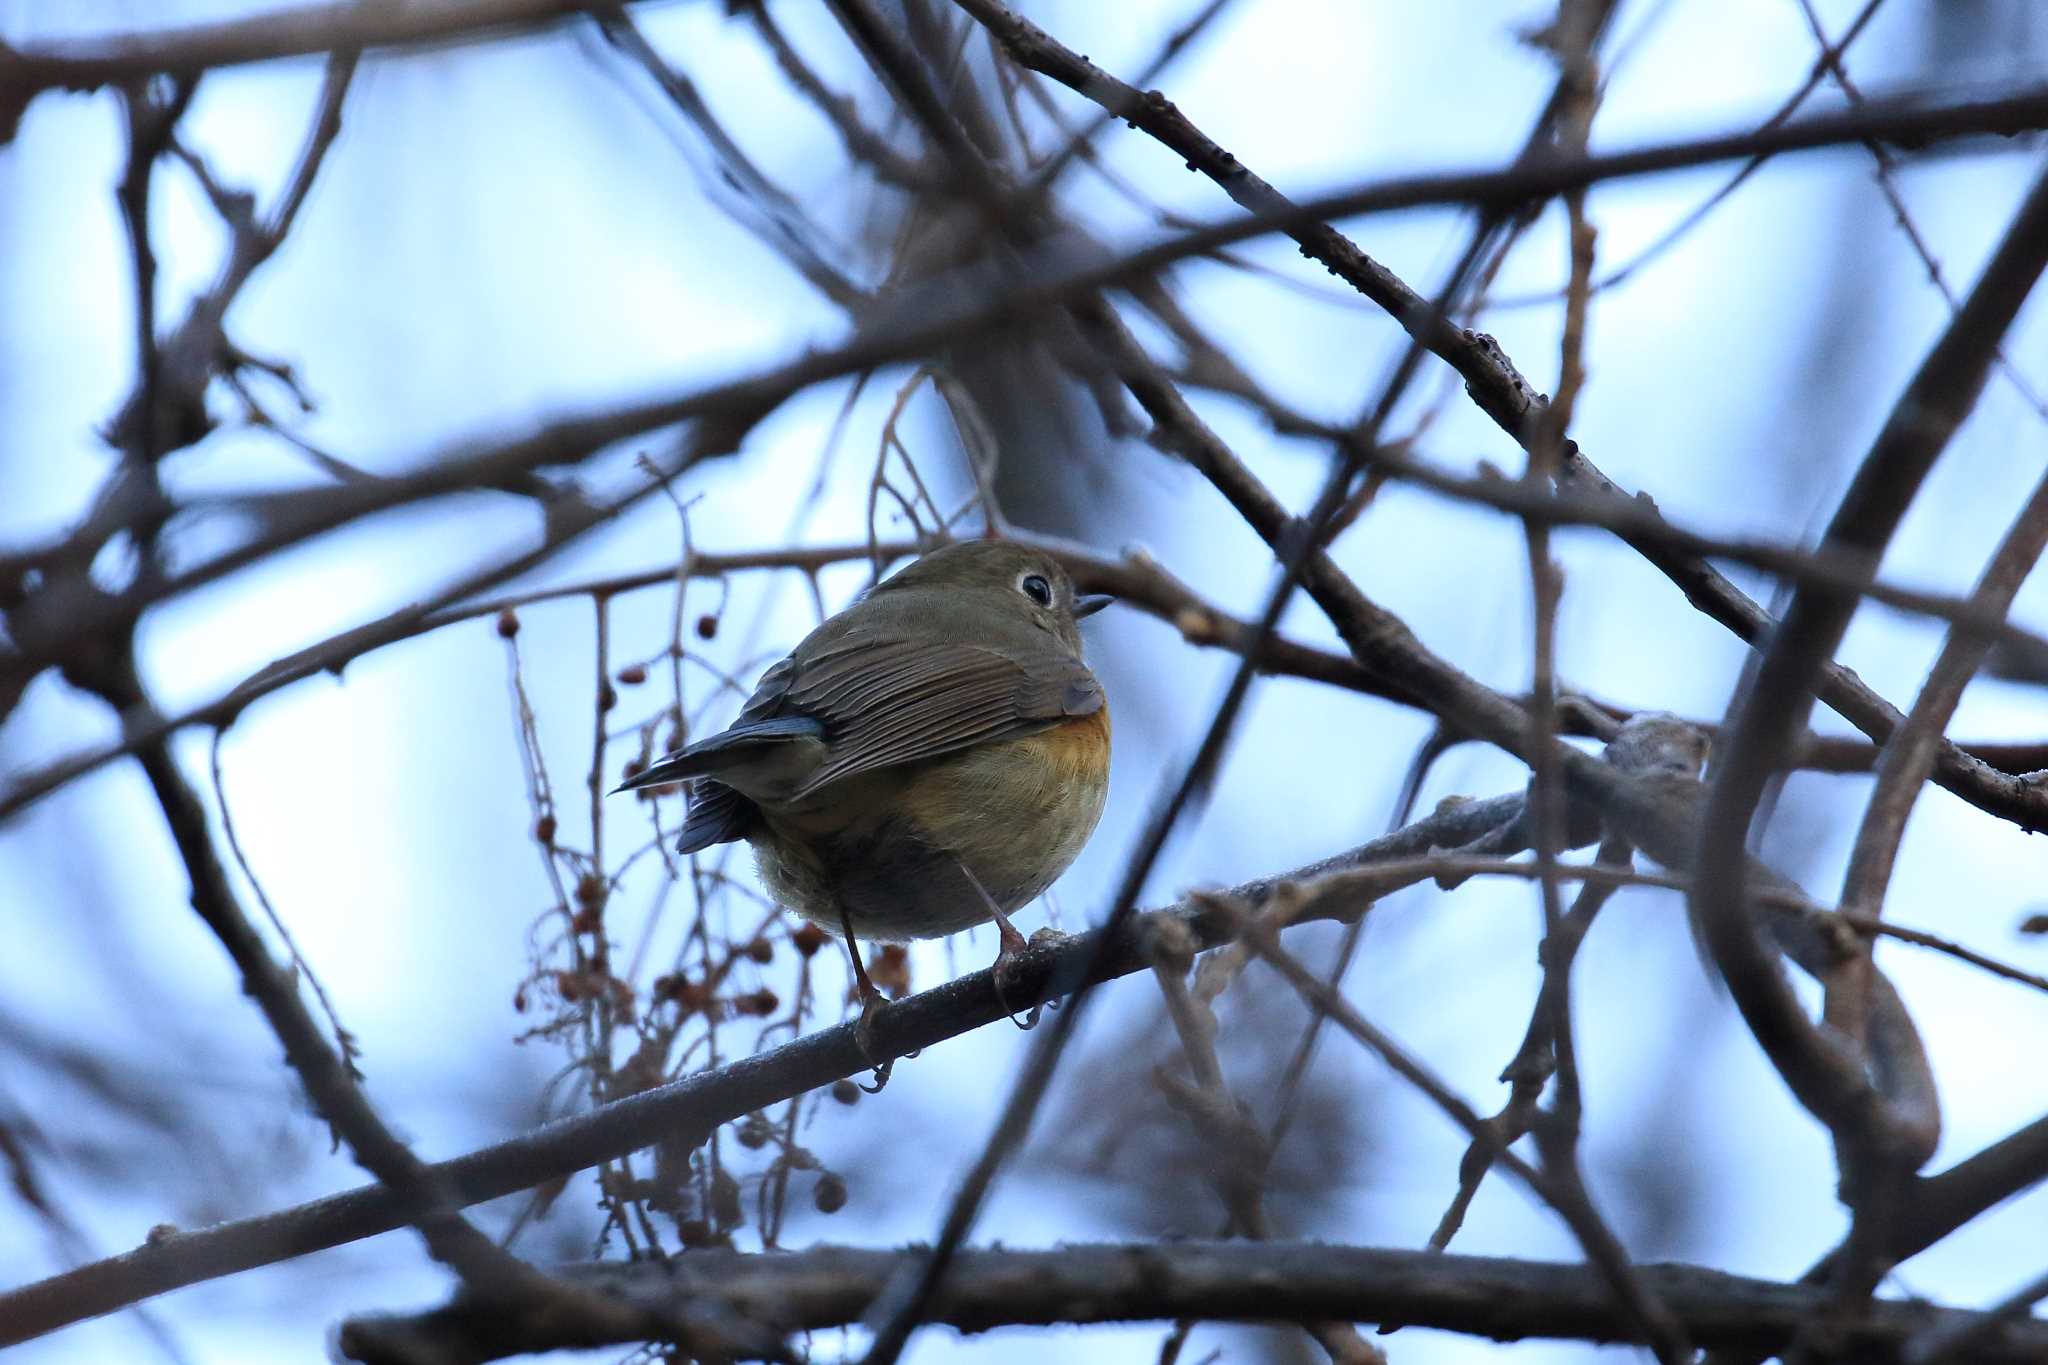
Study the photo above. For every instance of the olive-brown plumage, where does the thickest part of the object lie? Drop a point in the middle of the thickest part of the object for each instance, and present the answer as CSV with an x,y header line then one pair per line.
x,y
932,757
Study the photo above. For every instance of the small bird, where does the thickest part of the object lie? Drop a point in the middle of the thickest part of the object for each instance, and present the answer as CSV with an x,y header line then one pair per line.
x,y
931,758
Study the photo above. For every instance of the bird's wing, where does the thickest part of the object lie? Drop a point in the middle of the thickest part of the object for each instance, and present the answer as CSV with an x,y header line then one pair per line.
x,y
885,701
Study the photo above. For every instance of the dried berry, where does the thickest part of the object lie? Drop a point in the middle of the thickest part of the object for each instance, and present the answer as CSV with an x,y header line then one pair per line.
x,y
890,970
544,831
508,624
846,1092
632,675
808,939
760,1003
690,997
761,950
829,1195
753,1132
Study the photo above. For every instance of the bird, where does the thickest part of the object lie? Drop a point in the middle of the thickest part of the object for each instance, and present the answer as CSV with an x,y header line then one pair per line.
x,y
932,757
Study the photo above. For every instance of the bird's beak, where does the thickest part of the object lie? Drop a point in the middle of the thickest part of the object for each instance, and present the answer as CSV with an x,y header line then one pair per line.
x,y
1090,603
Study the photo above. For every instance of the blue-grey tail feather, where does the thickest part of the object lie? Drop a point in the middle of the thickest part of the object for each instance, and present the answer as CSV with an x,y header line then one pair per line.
x,y
718,815
707,755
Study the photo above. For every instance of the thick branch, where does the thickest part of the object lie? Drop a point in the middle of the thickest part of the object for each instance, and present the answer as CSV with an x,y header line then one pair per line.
x,y
1506,1300
1909,757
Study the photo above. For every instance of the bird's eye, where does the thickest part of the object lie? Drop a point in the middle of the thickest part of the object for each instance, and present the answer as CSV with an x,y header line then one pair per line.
x,y
1035,587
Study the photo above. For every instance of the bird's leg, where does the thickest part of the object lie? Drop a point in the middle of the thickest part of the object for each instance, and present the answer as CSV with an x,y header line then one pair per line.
x,y
1009,943
870,1001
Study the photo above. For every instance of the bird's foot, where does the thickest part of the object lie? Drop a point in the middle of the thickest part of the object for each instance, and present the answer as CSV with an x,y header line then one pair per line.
x,y
871,1002
1011,945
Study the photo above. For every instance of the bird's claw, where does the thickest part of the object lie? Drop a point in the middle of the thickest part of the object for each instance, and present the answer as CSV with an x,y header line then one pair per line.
x,y
1005,968
871,1003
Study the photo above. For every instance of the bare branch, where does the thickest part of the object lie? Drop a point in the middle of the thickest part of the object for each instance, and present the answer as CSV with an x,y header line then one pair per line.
x,y
683,1111
1493,381
1505,1300
1872,1136
297,31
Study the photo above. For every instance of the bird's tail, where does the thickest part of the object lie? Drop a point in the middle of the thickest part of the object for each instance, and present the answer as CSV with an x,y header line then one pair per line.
x,y
707,757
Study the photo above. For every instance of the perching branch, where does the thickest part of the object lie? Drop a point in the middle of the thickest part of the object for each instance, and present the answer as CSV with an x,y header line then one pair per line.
x,y
685,1110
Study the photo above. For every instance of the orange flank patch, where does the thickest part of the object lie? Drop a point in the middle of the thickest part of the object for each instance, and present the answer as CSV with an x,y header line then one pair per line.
x,y
1080,747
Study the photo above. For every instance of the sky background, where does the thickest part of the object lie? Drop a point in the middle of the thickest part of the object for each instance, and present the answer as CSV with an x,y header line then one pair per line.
x,y
509,231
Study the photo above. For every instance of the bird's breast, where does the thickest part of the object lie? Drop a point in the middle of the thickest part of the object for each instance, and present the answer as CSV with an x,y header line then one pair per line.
x,y
1017,812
